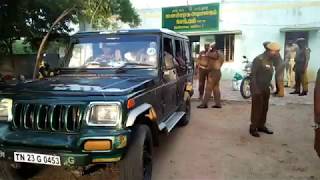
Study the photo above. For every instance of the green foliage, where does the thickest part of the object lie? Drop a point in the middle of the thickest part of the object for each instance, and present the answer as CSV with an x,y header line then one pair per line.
x,y
31,19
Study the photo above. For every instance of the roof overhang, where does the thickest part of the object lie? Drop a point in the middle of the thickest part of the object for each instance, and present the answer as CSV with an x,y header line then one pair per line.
x,y
199,33
296,29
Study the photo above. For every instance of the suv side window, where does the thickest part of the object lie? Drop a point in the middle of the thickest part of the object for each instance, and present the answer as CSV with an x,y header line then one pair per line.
x,y
168,54
189,61
187,51
169,62
180,57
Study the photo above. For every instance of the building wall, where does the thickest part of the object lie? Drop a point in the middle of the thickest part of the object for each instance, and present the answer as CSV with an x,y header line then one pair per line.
x,y
259,21
262,21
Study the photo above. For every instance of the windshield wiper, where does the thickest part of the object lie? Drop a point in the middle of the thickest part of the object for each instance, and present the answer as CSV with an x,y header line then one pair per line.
x,y
122,68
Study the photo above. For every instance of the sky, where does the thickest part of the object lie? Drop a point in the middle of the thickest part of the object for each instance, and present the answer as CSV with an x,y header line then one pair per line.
x,y
143,4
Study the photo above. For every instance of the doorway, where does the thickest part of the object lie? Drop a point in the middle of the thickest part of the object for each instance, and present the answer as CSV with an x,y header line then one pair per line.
x,y
293,36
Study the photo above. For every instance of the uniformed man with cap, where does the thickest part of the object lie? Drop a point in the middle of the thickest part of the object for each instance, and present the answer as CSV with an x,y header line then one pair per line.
x,y
279,75
317,114
261,76
301,66
202,65
216,60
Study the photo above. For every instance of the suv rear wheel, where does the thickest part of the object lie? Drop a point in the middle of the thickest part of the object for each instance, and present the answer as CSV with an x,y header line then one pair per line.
x,y
137,163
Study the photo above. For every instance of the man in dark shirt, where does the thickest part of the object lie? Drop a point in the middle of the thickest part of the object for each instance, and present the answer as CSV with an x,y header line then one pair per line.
x,y
317,114
279,74
261,76
301,66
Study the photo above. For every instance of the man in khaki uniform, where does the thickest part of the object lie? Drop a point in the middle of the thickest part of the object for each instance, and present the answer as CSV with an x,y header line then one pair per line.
x,y
214,66
202,64
290,56
317,114
301,67
261,76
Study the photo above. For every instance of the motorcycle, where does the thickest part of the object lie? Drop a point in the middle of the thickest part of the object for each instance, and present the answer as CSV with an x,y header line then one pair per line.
x,y
245,82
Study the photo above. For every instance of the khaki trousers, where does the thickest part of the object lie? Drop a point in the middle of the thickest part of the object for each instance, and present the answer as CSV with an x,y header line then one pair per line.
x,y
290,73
279,84
213,85
203,77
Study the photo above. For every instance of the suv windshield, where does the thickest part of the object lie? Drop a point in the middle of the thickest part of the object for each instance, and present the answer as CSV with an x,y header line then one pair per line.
x,y
114,51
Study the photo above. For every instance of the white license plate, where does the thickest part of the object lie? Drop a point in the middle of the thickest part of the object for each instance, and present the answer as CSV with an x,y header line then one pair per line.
x,y
37,158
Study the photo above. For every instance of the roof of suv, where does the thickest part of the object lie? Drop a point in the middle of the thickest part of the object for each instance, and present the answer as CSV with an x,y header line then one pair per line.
x,y
133,31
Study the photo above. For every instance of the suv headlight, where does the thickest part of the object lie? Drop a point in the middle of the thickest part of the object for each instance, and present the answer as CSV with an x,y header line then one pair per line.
x,y
104,114
5,109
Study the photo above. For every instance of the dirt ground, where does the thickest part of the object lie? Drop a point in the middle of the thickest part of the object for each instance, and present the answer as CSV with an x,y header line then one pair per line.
x,y
216,145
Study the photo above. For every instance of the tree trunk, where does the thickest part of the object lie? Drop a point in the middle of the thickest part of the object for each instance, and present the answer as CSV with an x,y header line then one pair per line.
x,y
45,38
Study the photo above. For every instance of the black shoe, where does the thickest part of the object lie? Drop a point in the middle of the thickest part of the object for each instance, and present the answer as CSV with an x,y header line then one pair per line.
x,y
254,133
265,130
216,106
202,106
295,92
304,93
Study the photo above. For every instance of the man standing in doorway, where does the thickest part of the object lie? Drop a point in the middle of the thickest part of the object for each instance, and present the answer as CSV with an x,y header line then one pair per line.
x,y
290,56
202,64
261,76
301,66
214,66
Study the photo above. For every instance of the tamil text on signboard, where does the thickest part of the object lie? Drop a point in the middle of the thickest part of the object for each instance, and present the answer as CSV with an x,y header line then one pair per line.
x,y
204,17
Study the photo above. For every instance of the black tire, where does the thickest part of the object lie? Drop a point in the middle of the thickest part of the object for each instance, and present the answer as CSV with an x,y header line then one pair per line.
x,y
137,163
186,107
24,171
245,88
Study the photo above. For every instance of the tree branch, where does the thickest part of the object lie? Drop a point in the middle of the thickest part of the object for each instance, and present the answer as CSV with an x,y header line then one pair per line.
x,y
95,11
45,38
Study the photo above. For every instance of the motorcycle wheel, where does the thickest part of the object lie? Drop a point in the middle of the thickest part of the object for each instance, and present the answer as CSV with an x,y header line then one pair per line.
x,y
245,88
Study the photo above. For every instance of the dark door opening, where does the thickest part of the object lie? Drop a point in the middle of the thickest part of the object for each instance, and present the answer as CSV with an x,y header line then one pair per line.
x,y
293,36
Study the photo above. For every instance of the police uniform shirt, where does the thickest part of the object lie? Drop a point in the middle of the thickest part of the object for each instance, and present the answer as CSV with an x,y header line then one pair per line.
x,y
262,71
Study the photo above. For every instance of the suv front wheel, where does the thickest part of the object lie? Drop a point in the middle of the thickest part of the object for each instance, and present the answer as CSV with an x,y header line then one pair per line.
x,y
137,163
9,171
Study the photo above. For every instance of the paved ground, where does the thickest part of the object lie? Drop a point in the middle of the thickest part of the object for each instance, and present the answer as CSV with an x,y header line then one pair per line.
x,y
217,145
227,93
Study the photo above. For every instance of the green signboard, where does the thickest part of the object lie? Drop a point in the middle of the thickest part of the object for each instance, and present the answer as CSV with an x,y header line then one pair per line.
x,y
203,17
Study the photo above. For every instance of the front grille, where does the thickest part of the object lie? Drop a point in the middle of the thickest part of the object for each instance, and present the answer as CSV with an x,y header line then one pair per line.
x,y
42,117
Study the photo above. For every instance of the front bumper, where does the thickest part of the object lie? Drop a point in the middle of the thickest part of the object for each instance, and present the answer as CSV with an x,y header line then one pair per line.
x,y
69,147
68,159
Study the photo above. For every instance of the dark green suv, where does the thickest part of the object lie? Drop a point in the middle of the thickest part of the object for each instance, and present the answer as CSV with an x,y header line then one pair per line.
x,y
115,93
